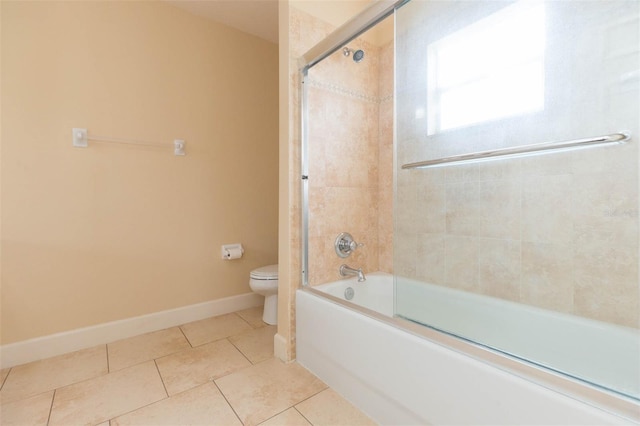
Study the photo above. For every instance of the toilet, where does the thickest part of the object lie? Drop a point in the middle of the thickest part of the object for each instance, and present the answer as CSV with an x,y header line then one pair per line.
x,y
264,281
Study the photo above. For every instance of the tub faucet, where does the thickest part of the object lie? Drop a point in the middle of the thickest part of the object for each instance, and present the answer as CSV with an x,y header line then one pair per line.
x,y
346,271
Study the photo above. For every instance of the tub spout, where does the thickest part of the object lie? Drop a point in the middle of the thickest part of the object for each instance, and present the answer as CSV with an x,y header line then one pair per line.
x,y
346,271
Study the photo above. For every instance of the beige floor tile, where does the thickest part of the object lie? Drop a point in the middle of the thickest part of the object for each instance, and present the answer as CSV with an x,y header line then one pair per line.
x,y
192,367
329,408
215,328
253,316
291,417
127,352
103,398
30,411
263,390
3,375
48,374
257,345
202,405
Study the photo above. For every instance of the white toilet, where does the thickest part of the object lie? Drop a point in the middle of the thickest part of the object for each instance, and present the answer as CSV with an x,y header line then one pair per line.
x,y
264,281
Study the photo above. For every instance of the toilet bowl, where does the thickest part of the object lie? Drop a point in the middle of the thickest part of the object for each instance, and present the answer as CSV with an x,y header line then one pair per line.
x,y
264,281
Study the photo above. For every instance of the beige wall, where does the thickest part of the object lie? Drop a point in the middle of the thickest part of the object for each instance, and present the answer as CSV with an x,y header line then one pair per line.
x,y
110,232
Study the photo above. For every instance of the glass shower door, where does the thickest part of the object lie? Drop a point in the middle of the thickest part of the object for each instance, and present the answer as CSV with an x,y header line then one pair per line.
x,y
534,255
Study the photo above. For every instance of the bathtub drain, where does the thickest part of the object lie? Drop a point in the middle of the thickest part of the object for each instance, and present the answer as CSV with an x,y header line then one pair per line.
x,y
348,293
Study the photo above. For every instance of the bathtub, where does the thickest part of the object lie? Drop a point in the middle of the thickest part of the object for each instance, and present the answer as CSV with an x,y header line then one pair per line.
x,y
399,372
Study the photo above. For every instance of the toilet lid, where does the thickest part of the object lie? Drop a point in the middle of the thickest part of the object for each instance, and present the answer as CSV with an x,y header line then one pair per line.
x,y
269,272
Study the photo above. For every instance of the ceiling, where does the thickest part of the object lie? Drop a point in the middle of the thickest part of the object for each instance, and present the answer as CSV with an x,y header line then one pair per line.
x,y
260,17
257,17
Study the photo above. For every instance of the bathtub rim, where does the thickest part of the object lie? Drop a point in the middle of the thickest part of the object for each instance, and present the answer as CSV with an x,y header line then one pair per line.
x,y
617,404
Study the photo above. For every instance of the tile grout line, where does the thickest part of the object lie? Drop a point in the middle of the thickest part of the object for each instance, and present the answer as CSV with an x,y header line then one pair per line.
x,y
238,349
226,400
311,396
185,335
149,404
108,363
248,323
51,406
5,378
161,379
300,412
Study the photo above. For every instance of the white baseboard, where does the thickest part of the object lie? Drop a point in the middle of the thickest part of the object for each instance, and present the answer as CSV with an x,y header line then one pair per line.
x,y
81,338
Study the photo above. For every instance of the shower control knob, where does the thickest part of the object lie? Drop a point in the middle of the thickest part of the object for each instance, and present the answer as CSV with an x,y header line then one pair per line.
x,y
353,245
345,244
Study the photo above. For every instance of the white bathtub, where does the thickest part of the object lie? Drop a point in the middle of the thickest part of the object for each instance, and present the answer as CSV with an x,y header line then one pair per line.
x,y
420,376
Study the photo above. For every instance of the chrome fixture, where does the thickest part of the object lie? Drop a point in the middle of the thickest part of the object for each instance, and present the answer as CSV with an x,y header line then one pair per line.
x,y
349,293
345,245
358,55
521,151
347,271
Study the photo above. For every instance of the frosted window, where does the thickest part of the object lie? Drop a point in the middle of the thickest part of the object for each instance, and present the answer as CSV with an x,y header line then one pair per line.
x,y
489,70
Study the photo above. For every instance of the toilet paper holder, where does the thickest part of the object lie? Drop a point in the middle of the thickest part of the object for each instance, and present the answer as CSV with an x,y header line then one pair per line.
x,y
232,251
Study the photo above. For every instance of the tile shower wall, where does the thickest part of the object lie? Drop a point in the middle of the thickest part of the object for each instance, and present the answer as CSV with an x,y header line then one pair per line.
x,y
350,163
559,232
305,31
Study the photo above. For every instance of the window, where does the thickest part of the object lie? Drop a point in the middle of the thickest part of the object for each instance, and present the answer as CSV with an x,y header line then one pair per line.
x,y
489,70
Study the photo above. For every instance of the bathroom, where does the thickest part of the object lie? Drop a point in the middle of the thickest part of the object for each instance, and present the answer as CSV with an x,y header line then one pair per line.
x,y
99,235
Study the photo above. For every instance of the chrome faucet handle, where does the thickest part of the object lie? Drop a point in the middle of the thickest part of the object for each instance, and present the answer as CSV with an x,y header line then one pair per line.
x,y
345,244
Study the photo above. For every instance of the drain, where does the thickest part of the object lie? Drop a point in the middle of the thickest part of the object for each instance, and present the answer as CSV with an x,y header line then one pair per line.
x,y
348,293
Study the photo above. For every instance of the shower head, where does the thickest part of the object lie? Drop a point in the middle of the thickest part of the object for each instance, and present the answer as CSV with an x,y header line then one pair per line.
x,y
358,55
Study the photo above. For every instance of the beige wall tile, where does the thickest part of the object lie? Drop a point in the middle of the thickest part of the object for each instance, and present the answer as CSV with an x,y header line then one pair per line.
x,y
51,373
611,194
404,261
290,417
431,208
193,367
546,209
606,283
265,389
30,411
547,276
510,170
499,268
329,408
461,262
215,328
105,397
202,405
462,208
607,300
612,228
499,209
430,258
128,352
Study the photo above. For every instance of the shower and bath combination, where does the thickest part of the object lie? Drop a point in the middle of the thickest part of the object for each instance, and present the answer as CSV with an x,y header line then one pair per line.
x,y
456,241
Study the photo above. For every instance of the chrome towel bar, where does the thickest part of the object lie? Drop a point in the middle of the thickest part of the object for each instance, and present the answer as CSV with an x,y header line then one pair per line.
x,y
520,151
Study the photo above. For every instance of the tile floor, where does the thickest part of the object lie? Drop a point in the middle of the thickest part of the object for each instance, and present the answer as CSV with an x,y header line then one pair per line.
x,y
218,371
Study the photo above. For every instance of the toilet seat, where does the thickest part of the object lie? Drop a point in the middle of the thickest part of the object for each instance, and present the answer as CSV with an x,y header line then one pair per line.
x,y
269,272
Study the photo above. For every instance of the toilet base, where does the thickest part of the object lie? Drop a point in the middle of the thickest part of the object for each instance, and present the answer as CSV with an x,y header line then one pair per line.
x,y
270,314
